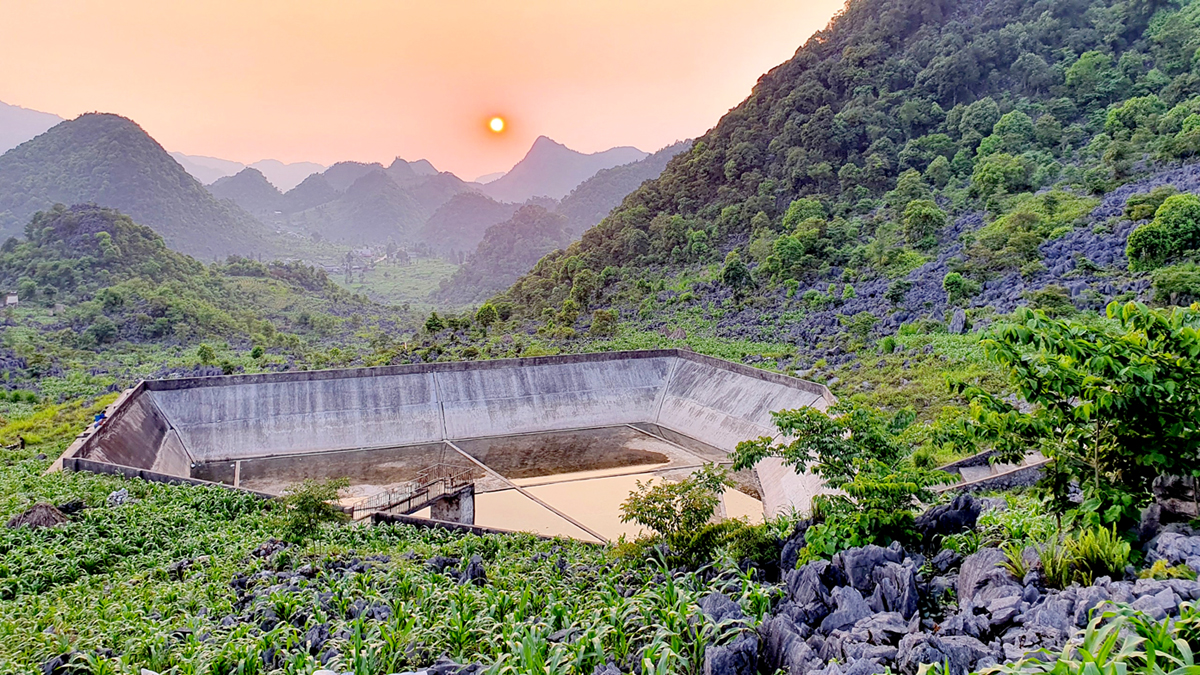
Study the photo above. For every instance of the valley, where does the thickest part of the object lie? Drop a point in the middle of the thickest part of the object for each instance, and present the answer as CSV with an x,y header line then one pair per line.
x,y
944,242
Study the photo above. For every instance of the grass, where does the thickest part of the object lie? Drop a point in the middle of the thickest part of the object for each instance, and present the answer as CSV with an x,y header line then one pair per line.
x,y
409,284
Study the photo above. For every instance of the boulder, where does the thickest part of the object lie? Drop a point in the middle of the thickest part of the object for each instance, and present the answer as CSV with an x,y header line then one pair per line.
x,y
896,588
1175,548
118,498
474,572
958,516
885,628
737,658
860,563
958,322
945,560
959,652
979,569
718,608
851,608
782,647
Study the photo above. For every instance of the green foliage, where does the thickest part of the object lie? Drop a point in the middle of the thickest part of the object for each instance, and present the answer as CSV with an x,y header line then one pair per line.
x,y
898,290
860,452
1013,239
1114,404
1161,570
308,505
604,322
922,220
486,315
673,508
735,274
206,354
1174,232
958,288
1177,285
435,323
1144,206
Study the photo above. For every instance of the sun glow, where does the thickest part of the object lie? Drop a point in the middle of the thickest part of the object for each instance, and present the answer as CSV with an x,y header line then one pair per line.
x,y
496,124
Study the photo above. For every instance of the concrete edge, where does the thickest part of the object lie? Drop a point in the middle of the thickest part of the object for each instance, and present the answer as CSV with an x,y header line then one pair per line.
x,y
429,523
984,483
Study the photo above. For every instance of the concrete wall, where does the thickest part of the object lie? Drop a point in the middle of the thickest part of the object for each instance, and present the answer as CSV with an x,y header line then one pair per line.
x,y
169,424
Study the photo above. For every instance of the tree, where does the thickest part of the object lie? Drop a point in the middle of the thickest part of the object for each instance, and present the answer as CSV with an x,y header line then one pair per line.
x,y
923,220
1000,173
604,323
678,507
310,504
958,288
860,451
1174,231
434,324
897,291
1113,406
206,354
487,315
735,274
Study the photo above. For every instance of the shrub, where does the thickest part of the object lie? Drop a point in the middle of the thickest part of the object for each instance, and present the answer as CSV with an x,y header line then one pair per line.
x,y
206,354
1113,405
1098,552
1177,285
959,288
308,505
1174,231
670,508
604,322
857,450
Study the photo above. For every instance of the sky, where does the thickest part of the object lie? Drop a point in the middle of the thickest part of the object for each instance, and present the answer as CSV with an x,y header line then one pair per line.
x,y
369,80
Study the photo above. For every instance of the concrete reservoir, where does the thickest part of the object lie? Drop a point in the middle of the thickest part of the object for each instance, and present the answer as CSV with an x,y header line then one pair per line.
x,y
550,444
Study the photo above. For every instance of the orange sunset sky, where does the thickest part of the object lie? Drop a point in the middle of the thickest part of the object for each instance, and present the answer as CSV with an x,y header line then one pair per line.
x,y
330,80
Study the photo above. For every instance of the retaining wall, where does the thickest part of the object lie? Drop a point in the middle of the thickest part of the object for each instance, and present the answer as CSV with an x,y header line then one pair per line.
x,y
169,426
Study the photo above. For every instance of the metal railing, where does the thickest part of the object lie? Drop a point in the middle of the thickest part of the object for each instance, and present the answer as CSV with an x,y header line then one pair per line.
x,y
432,483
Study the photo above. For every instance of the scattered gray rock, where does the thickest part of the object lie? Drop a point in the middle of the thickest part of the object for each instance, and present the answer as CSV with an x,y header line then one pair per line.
x,y
958,322
851,608
737,658
118,498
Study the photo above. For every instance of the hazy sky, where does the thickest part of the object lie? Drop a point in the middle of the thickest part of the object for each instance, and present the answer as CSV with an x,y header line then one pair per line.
x,y
327,80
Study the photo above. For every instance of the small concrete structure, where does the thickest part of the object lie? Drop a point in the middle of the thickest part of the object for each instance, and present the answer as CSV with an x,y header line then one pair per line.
x,y
231,429
455,508
11,299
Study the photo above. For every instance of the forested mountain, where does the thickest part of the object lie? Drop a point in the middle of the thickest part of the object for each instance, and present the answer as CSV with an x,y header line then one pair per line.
x,y
342,175
507,250
372,210
251,190
286,175
109,160
552,170
592,199
312,191
889,170
18,125
119,281
459,224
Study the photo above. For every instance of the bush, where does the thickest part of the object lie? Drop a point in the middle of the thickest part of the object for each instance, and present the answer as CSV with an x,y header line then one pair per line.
x,y
671,508
859,451
1177,285
959,288
1174,231
604,322
308,505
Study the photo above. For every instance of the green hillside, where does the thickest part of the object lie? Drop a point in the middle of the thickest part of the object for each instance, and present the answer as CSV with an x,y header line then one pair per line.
x,y
110,161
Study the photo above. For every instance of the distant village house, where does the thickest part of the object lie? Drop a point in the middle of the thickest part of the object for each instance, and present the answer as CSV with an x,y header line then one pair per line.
x,y
10,299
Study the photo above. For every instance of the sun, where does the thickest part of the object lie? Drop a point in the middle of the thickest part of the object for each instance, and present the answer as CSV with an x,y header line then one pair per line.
x,y
496,124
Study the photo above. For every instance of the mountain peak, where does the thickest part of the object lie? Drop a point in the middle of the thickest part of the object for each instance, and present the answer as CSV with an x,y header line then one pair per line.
x,y
551,169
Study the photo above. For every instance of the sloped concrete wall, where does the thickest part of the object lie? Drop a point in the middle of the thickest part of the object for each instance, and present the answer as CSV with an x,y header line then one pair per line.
x,y
167,425
294,416
551,397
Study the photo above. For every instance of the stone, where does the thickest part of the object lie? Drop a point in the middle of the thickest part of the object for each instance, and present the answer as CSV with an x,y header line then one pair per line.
x,y
474,573
860,563
958,322
980,568
1002,611
118,498
958,516
792,546
851,608
1175,548
1087,600
737,658
1151,523
945,561
782,648
959,652
1158,606
897,584
718,607
1177,497
606,669
880,629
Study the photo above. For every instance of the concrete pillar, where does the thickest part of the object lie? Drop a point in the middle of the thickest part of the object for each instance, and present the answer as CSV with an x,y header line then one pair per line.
x,y
458,507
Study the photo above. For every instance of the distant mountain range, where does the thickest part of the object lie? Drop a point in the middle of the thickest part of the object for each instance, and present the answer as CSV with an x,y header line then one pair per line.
x,y
109,160
18,125
552,170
